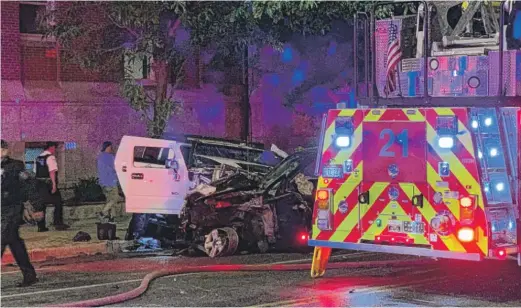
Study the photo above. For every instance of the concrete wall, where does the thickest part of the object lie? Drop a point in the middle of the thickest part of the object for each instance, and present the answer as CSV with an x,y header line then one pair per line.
x,y
96,117
10,41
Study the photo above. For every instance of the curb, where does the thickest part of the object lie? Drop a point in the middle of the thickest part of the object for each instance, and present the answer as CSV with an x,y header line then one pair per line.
x,y
44,254
84,211
38,255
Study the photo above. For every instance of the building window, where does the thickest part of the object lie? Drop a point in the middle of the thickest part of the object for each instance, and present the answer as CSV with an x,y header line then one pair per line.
x,y
29,17
31,152
138,68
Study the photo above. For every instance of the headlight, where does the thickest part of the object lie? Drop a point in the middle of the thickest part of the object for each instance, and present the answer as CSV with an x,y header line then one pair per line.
x,y
343,141
446,142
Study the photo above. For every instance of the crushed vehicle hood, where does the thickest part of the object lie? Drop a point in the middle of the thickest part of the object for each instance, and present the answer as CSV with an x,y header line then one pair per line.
x,y
297,165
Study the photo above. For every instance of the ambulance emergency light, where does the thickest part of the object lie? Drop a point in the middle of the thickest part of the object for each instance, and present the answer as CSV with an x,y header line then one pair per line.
x,y
343,132
447,129
343,141
446,142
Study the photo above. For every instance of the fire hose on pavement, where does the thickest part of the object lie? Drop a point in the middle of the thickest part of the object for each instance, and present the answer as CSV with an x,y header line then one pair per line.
x,y
122,297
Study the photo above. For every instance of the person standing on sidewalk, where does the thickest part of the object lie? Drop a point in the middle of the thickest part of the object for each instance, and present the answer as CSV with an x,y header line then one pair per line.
x,y
108,180
46,170
13,177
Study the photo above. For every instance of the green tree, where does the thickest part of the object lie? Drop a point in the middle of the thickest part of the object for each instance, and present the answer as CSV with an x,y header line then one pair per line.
x,y
126,32
256,23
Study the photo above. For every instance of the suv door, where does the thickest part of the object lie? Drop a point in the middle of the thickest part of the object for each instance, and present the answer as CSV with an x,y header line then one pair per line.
x,y
149,184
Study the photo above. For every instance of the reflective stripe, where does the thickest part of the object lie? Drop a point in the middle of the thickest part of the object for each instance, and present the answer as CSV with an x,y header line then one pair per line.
x,y
358,221
403,250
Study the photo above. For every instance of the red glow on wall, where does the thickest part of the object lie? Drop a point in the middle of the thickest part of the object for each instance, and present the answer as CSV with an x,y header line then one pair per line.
x,y
50,53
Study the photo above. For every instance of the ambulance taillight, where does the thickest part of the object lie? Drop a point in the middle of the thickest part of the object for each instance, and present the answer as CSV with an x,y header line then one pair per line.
x,y
501,253
323,205
466,234
447,129
303,237
467,208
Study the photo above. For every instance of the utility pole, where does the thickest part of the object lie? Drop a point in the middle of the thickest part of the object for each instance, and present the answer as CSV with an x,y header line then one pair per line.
x,y
245,101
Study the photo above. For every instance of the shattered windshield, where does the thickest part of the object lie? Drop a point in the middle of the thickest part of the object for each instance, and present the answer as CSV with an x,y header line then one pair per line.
x,y
298,161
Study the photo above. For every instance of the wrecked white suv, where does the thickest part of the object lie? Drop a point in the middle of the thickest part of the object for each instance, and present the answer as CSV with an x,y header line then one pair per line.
x,y
157,174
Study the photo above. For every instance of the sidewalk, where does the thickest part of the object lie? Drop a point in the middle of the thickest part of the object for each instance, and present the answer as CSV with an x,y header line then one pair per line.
x,y
59,244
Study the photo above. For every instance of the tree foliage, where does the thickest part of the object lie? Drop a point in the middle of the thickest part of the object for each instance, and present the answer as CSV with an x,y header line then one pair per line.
x,y
102,35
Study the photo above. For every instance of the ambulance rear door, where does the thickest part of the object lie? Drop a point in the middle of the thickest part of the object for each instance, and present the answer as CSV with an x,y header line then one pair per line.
x,y
394,150
153,175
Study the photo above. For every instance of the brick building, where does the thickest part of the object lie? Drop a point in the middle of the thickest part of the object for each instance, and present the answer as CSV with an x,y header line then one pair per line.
x,y
44,99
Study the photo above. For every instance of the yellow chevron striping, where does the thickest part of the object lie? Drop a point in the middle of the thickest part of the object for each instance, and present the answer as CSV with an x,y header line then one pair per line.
x,y
374,230
340,158
330,131
462,174
328,137
347,112
346,189
428,212
482,241
417,116
352,219
374,115
388,211
315,230
345,154
457,168
432,178
465,138
347,225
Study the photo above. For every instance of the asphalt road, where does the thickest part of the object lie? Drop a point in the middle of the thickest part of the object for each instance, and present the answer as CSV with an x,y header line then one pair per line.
x,y
436,283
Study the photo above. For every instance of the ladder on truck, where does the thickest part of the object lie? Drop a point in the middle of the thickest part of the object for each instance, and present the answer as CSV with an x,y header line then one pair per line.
x,y
496,134
503,111
512,128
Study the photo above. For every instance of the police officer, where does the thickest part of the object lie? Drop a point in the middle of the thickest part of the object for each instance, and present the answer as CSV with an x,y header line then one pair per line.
x,y
46,170
13,177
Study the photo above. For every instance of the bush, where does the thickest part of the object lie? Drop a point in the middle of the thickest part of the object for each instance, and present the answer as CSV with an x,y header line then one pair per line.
x,y
88,190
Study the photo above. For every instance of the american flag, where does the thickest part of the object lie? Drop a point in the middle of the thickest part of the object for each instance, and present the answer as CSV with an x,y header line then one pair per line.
x,y
394,54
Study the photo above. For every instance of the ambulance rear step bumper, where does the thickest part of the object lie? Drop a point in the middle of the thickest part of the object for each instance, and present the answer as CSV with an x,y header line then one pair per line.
x,y
402,250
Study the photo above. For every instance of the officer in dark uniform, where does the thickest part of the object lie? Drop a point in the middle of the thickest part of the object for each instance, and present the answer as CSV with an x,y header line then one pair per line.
x,y
46,170
13,197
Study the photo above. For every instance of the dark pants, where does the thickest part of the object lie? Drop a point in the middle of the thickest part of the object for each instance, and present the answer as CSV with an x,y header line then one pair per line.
x,y
46,197
11,238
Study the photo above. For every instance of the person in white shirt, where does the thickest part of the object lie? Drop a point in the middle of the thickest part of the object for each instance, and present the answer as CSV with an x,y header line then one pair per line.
x,y
46,169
